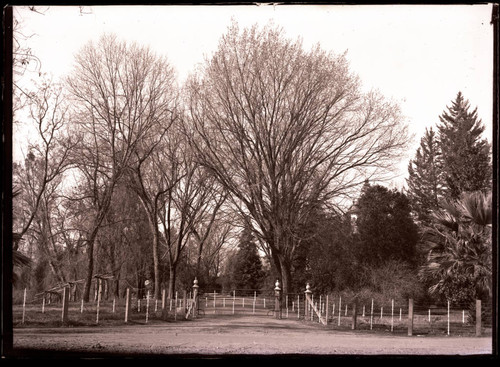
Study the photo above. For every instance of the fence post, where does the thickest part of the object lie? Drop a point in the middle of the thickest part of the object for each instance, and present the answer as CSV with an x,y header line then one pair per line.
x,y
286,305
65,305
354,315
410,317
326,311
147,307
478,317
298,306
98,300
24,304
448,318
127,304
277,301
371,317
392,315
340,308
215,296
163,299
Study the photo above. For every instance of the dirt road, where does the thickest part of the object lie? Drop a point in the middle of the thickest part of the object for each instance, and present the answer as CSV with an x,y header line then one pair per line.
x,y
234,336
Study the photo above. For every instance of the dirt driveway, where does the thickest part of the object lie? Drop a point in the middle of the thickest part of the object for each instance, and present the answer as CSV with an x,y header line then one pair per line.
x,y
244,335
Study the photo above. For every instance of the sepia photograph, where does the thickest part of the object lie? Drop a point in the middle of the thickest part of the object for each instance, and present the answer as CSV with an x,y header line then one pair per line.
x,y
249,180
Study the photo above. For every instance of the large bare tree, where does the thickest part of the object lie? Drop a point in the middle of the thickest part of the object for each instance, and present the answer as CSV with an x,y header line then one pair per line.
x,y
121,92
152,177
47,158
286,130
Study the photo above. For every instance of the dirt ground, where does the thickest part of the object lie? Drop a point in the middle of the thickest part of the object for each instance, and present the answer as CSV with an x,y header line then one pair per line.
x,y
232,336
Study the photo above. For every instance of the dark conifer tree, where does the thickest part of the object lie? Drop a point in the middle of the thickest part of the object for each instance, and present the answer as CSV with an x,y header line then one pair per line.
x,y
466,156
385,227
426,180
247,272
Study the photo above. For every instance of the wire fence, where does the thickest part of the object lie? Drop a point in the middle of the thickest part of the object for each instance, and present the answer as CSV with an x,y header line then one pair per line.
x,y
333,311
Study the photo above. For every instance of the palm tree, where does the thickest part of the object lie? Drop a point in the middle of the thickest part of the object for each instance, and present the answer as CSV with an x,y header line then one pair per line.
x,y
459,262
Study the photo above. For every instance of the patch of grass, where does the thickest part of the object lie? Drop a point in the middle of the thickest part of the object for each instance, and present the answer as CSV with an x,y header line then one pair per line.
x,y
52,315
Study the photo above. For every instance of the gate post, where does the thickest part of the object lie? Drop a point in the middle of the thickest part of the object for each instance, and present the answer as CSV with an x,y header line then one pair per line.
x,y
65,304
478,317
307,297
277,302
195,297
410,317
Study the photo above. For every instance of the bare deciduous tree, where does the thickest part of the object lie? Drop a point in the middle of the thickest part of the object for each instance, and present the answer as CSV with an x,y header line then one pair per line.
x,y
121,92
186,204
286,130
152,175
48,154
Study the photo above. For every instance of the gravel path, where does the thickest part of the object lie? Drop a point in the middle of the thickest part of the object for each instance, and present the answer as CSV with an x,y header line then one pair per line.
x,y
233,336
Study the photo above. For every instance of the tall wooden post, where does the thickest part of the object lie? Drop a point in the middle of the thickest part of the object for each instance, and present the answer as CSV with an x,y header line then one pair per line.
x,y
307,298
410,317
65,305
392,315
163,299
354,315
127,304
24,304
277,301
371,316
478,317
147,306
326,311
99,295
195,297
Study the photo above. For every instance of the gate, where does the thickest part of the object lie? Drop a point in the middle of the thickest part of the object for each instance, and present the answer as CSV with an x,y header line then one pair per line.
x,y
248,302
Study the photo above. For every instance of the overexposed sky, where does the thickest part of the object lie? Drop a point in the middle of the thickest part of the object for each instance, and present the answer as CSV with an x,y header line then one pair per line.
x,y
418,55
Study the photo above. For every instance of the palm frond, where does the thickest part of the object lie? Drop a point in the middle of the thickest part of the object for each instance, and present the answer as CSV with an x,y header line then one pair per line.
x,y
476,208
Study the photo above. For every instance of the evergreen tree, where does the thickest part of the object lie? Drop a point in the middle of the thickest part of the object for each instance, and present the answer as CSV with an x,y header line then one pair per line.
x,y
331,261
466,157
425,180
247,272
385,227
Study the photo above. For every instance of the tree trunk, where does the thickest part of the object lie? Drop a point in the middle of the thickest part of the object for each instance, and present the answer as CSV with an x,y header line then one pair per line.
x,y
286,276
171,282
116,290
156,261
90,266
